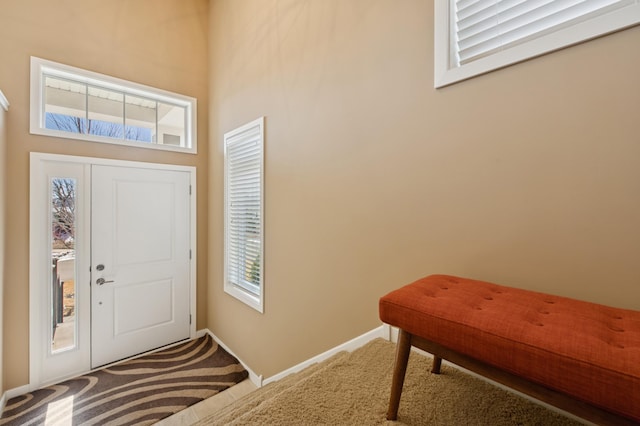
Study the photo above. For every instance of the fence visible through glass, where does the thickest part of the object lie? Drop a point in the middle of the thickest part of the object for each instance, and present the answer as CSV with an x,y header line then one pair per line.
x,y
63,260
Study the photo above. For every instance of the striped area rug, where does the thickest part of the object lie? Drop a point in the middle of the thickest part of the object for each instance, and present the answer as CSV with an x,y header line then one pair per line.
x,y
136,392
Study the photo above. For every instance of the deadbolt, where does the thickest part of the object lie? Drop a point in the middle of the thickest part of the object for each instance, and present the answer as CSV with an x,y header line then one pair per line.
x,y
100,267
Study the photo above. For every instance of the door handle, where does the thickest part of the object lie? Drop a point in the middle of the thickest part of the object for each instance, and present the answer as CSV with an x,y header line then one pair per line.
x,y
101,281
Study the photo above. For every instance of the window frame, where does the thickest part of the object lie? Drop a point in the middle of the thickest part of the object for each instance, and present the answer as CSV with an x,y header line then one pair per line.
x,y
447,73
243,291
41,68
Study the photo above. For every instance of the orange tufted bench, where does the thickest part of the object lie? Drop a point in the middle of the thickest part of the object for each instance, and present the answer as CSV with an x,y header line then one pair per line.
x,y
581,357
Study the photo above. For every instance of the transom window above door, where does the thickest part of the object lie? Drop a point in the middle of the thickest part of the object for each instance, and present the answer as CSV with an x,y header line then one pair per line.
x,y
69,102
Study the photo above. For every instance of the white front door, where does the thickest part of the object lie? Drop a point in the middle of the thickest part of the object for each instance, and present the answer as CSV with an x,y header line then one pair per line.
x,y
139,220
140,260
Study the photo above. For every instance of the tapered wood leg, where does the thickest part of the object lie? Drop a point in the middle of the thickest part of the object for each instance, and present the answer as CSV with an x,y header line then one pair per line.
x,y
437,363
399,370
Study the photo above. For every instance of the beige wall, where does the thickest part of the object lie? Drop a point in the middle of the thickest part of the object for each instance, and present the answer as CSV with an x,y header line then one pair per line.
x,y
160,43
528,176
3,179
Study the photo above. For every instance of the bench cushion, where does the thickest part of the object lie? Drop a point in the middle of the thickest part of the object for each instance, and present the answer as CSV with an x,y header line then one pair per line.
x,y
586,350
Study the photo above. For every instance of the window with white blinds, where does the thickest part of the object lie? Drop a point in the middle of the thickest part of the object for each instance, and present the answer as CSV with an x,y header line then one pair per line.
x,y
477,36
244,207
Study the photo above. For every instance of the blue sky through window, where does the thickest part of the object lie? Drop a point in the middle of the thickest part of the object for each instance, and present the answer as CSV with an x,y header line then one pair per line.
x,y
73,124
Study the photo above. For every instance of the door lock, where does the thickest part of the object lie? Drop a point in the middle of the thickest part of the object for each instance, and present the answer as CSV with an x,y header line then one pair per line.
x,y
101,281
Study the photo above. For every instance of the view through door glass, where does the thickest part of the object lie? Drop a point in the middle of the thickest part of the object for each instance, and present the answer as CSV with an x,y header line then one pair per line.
x,y
63,270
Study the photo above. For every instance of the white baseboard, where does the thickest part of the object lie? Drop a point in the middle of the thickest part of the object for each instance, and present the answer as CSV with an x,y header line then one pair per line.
x,y
384,331
20,390
391,333
255,378
349,346
12,393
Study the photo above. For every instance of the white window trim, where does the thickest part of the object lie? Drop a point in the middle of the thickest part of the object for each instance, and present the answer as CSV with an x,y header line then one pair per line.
x,y
446,73
42,66
256,301
4,103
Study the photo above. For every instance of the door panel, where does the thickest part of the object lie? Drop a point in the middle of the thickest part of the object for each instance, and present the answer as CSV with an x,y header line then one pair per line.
x,y
142,209
140,249
159,301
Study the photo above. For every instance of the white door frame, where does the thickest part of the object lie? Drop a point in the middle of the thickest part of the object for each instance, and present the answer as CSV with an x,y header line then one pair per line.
x,y
40,257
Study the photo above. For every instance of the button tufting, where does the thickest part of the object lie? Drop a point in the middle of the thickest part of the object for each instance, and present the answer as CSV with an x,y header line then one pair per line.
x,y
602,339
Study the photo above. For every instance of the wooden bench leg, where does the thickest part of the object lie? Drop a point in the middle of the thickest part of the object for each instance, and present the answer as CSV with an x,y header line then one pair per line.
x,y
399,370
437,363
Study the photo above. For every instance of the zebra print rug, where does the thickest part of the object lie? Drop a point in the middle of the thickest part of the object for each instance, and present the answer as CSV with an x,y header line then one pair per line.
x,y
136,392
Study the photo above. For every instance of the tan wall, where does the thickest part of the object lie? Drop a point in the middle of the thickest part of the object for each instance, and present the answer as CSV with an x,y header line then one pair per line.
x,y
528,176
160,43
3,204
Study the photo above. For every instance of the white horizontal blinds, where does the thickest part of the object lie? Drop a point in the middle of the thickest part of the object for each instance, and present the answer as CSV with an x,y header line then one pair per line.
x,y
483,27
244,153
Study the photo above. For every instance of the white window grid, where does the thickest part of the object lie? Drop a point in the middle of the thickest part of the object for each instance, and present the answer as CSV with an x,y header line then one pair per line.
x,y
41,68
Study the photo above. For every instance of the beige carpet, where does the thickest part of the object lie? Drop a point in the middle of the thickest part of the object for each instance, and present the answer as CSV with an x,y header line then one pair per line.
x,y
353,389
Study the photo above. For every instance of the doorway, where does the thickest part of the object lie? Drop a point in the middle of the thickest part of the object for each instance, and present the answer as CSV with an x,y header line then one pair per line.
x,y
112,267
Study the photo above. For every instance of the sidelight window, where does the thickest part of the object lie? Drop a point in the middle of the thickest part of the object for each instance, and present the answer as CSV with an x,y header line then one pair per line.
x,y
63,269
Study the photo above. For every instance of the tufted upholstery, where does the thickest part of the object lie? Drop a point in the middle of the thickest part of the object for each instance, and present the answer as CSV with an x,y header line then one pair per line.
x,y
586,350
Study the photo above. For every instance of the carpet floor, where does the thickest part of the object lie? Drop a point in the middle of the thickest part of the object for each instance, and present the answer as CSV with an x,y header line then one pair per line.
x,y
136,392
353,389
